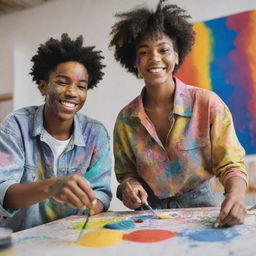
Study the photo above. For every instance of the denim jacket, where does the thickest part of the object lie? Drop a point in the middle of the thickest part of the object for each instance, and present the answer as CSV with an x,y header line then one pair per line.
x,y
25,158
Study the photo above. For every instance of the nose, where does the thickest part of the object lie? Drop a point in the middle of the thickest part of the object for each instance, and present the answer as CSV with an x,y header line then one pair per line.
x,y
71,90
154,56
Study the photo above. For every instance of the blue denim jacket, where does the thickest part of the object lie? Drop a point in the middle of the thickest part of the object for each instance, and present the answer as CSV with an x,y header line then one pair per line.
x,y
25,157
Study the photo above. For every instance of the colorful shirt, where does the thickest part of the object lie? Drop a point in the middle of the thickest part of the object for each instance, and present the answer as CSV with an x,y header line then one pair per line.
x,y
25,157
201,143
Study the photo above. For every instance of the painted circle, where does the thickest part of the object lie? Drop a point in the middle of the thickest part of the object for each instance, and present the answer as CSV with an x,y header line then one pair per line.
x,y
101,238
149,235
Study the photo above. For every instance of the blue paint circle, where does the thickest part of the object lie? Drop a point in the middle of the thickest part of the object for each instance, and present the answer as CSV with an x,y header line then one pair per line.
x,y
212,235
124,224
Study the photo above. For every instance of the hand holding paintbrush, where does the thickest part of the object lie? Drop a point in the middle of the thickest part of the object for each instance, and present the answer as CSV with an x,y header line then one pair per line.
x,y
141,201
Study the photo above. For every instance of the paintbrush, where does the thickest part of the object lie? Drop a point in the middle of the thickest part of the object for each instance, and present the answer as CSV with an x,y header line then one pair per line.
x,y
152,210
87,214
146,203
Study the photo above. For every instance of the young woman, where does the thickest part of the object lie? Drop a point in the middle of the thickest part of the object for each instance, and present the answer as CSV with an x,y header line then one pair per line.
x,y
172,138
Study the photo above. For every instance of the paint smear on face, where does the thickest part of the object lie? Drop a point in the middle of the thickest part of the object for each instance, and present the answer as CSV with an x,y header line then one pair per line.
x,y
93,224
212,235
138,61
101,238
149,235
125,224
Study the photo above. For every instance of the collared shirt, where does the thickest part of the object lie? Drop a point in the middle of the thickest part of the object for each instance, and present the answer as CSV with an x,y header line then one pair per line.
x,y
25,158
201,143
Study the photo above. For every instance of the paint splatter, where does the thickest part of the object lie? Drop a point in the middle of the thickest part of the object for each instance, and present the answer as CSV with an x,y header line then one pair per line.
x,y
143,217
101,238
165,217
211,235
149,235
125,224
138,221
93,224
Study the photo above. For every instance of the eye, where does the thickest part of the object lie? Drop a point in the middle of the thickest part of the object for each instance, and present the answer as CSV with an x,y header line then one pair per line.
x,y
82,87
59,82
142,52
166,50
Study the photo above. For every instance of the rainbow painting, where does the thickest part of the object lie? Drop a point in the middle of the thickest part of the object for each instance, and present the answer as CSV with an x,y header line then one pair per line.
x,y
223,59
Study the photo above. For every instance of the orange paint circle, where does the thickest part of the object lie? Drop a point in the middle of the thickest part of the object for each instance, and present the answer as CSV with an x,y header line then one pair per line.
x,y
149,235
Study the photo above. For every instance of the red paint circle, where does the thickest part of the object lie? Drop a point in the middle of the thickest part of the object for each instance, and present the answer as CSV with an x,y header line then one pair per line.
x,y
149,235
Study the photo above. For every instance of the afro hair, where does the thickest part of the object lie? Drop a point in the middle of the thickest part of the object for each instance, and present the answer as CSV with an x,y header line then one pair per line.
x,y
138,23
54,52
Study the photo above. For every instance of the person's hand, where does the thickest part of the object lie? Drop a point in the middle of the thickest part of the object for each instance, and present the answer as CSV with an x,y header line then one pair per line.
x,y
73,190
233,210
134,194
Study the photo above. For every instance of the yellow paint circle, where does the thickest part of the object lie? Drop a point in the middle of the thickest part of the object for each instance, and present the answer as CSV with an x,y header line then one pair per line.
x,y
101,238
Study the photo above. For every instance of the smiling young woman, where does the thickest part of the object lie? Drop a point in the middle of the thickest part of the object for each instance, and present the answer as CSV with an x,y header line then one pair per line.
x,y
172,138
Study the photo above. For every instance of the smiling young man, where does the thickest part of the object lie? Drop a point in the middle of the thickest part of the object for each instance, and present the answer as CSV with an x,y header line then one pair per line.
x,y
172,138
55,162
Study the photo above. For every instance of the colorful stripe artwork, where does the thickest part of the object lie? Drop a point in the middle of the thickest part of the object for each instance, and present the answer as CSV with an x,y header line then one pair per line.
x,y
223,59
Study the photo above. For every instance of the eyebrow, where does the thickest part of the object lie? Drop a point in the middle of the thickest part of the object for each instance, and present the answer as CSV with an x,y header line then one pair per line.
x,y
67,77
146,46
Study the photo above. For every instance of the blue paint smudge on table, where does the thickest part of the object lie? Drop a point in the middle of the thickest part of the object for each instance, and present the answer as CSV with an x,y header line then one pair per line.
x,y
211,235
143,217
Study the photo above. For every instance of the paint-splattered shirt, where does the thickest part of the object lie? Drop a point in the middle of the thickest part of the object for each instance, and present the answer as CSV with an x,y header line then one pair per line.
x,y
25,158
201,143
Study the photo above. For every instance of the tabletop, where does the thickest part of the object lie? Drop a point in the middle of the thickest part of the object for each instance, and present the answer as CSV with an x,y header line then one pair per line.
x,y
177,232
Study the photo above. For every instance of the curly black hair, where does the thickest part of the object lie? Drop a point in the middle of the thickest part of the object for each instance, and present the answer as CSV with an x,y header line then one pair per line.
x,y
54,52
134,25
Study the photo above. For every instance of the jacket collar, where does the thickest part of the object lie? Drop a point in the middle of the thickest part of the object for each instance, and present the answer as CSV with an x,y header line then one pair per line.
x,y
183,102
78,138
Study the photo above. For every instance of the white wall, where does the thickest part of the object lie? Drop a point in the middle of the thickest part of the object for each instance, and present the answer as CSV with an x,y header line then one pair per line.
x,y
22,32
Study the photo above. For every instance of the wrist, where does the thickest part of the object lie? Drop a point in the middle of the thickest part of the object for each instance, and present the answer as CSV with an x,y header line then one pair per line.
x,y
47,186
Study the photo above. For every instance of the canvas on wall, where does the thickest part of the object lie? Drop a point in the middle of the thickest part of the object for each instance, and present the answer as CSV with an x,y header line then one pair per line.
x,y
223,60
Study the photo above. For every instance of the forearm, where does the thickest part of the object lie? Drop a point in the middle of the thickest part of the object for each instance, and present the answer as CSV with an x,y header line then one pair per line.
x,y
236,185
23,195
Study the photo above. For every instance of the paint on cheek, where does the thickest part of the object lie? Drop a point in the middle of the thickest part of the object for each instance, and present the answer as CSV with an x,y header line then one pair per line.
x,y
138,61
101,238
149,235
52,95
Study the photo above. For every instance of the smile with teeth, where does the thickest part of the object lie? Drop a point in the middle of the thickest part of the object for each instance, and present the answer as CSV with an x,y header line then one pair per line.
x,y
155,70
68,104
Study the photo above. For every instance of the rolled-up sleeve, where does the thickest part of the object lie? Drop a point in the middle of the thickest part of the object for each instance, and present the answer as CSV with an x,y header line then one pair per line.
x,y
125,166
227,152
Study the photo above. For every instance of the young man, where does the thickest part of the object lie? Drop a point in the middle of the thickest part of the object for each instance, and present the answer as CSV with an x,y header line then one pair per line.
x,y
55,162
